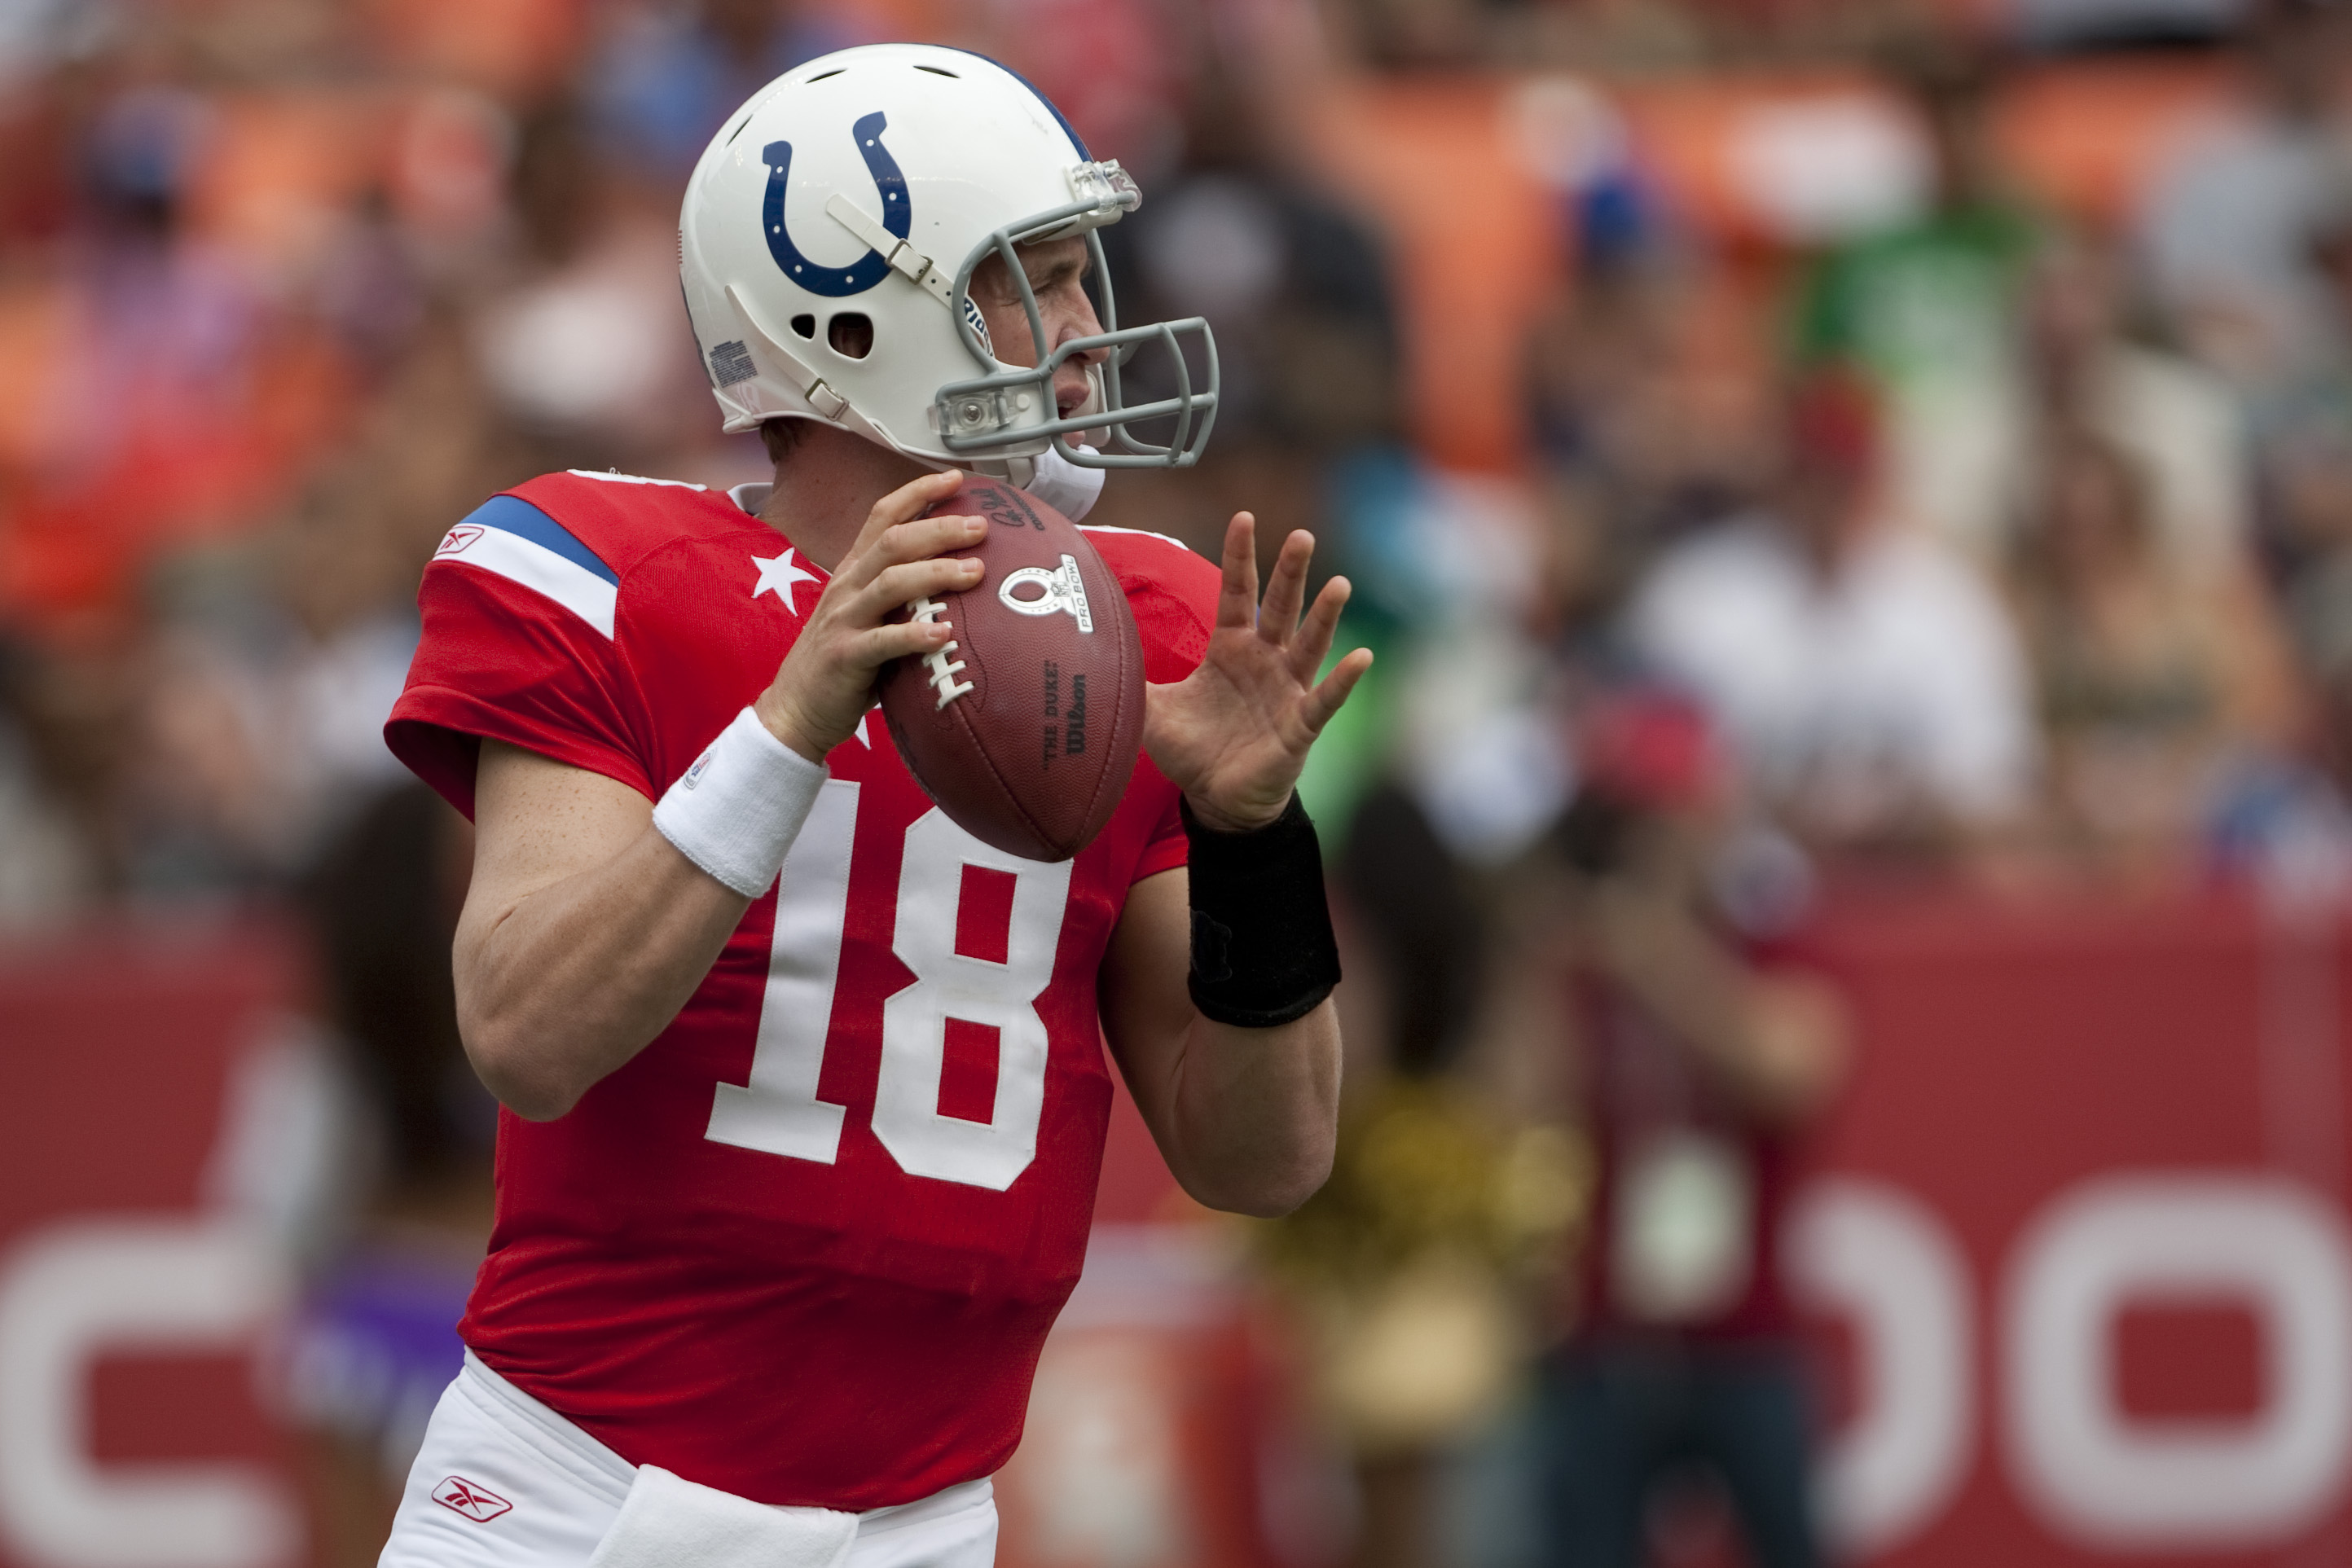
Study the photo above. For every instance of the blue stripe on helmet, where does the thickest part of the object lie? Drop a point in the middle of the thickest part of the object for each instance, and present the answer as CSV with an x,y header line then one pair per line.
x,y
1051,108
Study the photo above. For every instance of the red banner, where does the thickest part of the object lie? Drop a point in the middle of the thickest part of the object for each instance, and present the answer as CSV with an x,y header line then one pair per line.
x,y
2085,1233
138,1272
2081,1222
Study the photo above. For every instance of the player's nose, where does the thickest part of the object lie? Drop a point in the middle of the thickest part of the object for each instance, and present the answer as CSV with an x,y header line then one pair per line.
x,y
1080,321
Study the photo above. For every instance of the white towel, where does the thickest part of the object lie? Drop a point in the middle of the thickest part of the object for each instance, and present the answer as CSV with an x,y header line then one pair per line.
x,y
668,1522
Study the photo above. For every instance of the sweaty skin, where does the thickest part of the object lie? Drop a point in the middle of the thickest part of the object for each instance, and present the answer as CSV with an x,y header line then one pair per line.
x,y
585,931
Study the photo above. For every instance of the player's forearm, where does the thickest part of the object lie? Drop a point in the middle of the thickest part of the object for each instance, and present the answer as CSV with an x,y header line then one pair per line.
x,y
566,984
1255,1113
1216,999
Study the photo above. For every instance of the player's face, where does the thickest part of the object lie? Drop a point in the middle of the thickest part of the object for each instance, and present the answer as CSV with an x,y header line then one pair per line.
x,y
1057,271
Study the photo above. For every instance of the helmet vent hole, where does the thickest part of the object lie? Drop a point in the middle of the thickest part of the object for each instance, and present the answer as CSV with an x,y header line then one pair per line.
x,y
822,76
805,324
941,71
851,334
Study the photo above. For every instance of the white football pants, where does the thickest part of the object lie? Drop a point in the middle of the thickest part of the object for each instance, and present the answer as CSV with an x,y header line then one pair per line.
x,y
502,1481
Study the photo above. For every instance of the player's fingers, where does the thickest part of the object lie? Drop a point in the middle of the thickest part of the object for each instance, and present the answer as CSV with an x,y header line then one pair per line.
x,y
1317,706
1315,634
927,537
1277,616
873,649
899,585
917,538
907,501
1237,594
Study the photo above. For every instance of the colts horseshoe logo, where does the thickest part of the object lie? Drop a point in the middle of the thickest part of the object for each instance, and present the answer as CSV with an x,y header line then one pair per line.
x,y
834,282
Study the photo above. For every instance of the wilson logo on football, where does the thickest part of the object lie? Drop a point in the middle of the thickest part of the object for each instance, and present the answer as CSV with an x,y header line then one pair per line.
x,y
457,538
474,1501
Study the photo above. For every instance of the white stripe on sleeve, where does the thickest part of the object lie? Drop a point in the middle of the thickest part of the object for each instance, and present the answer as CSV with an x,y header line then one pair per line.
x,y
541,570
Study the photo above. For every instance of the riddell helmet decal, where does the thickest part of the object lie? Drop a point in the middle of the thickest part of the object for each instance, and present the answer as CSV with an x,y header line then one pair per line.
x,y
897,217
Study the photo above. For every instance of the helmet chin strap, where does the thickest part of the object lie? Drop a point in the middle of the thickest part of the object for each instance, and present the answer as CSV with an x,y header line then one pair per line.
x,y
1063,485
1052,478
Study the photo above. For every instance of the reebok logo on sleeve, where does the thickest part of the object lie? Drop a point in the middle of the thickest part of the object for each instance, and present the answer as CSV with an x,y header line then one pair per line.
x,y
507,536
471,1498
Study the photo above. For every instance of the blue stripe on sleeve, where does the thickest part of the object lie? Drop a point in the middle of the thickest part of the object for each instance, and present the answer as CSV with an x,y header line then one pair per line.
x,y
512,514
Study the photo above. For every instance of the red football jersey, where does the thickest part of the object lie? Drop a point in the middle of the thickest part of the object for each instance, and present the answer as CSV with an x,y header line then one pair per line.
x,y
807,1245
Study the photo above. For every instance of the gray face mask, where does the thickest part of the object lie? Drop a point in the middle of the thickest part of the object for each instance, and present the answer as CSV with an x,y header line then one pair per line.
x,y
1007,405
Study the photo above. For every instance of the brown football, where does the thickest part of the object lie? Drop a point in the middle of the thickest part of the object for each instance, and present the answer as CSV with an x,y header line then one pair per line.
x,y
1025,729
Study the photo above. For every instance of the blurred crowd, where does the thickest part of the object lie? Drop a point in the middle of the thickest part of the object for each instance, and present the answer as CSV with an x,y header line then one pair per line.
x,y
1943,534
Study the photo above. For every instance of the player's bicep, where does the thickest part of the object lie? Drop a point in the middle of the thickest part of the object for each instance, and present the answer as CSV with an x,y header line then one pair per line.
x,y
537,822
1147,1007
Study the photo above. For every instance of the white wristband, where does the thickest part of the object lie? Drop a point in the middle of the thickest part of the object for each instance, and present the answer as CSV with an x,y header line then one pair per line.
x,y
737,810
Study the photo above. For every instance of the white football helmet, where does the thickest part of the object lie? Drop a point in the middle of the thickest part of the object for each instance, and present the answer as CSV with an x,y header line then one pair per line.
x,y
872,182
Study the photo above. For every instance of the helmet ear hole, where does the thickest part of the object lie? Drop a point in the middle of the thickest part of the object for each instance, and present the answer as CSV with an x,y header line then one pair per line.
x,y
805,324
851,334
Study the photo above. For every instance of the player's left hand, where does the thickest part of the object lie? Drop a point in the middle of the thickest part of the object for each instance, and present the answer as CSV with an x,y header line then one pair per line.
x,y
1235,733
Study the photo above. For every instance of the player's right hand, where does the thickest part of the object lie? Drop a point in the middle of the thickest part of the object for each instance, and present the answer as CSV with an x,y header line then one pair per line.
x,y
826,682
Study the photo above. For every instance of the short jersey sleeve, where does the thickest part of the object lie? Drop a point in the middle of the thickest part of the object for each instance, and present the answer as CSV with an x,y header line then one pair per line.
x,y
1172,593
518,646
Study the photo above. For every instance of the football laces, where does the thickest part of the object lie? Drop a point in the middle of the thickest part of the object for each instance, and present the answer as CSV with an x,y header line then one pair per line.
x,y
943,670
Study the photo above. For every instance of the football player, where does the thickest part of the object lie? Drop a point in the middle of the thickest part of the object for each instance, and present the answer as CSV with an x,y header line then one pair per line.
x,y
804,1096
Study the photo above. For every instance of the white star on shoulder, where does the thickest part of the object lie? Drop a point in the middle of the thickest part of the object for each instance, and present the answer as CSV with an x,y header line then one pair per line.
x,y
863,739
779,573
